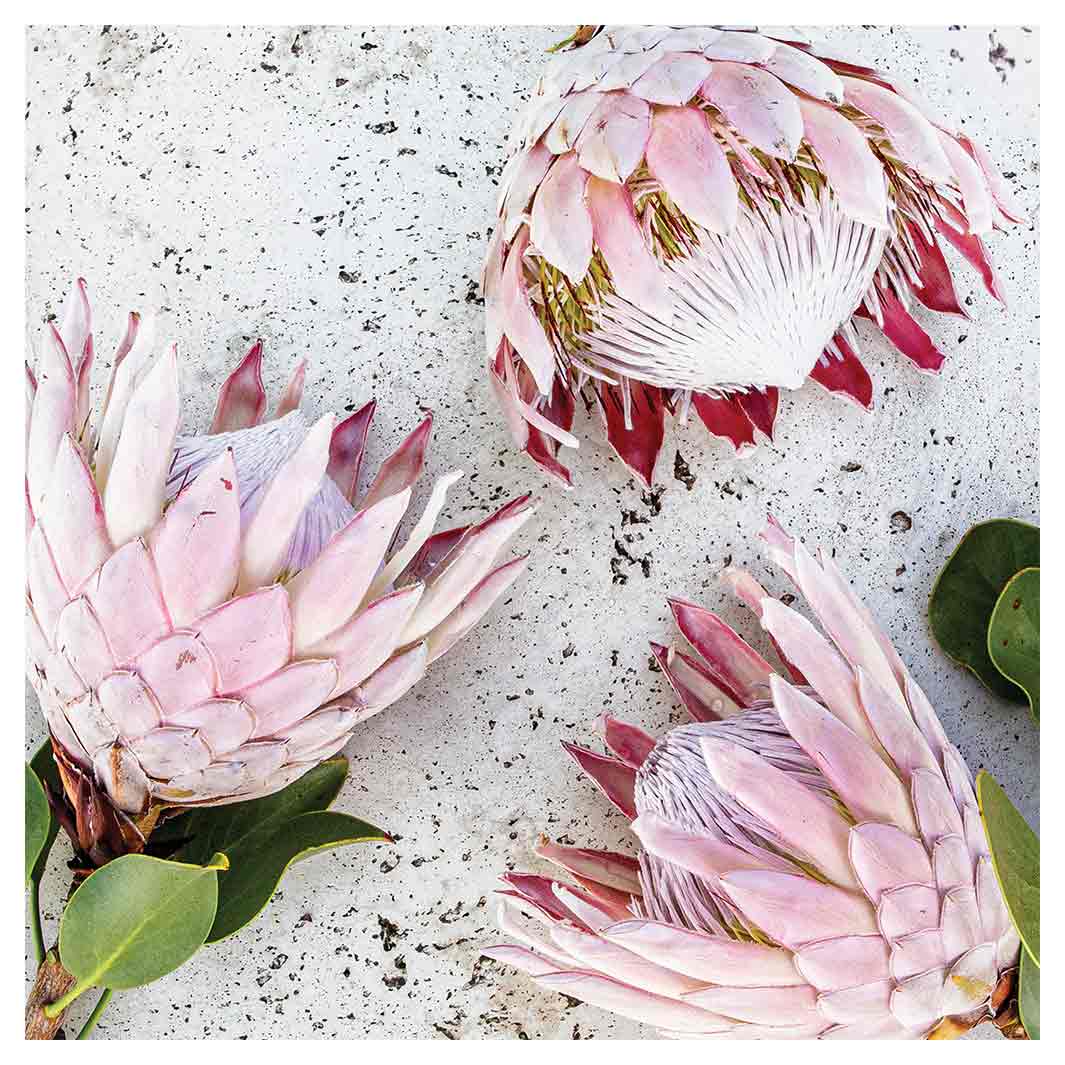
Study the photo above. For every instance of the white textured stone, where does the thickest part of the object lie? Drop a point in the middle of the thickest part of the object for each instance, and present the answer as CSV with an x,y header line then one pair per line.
x,y
246,183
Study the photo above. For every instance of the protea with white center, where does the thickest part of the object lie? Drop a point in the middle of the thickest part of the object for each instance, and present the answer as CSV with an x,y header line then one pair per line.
x,y
693,218
210,616
811,861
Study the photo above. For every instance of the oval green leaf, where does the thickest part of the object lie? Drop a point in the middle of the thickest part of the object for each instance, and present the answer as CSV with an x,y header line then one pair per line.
x,y
260,857
137,919
207,829
43,764
1028,996
1015,854
1013,635
38,821
967,589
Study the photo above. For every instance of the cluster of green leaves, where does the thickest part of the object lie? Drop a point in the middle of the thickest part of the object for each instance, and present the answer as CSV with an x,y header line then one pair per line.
x,y
984,609
141,916
1015,854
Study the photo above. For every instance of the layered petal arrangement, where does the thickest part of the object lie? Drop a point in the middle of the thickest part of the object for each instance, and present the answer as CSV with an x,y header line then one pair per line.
x,y
811,861
210,616
693,218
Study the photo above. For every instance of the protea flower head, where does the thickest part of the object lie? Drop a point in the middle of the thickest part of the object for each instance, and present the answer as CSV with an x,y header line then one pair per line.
x,y
210,616
694,217
811,856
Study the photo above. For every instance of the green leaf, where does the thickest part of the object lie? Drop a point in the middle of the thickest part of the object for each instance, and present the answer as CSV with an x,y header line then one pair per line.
x,y
207,829
967,589
43,764
1013,635
38,821
261,857
1015,854
1028,996
137,919
263,837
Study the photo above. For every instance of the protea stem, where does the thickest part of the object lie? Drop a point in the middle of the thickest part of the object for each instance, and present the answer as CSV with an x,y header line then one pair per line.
x,y
52,984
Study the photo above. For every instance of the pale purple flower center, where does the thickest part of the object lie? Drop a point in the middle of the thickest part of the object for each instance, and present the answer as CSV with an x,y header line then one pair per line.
x,y
258,454
675,784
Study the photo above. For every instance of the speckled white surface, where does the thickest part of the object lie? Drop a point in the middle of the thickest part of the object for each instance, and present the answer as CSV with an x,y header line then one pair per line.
x,y
331,190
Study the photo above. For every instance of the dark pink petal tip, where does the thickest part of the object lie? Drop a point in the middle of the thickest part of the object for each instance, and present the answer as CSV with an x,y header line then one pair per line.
x,y
242,399
616,780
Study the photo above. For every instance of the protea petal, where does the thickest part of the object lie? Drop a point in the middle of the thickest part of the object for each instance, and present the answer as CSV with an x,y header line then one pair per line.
x,y
618,236
561,226
53,412
136,485
293,393
470,562
74,514
858,776
912,136
196,547
346,450
522,327
270,531
131,363
801,817
328,592
758,104
685,157
852,169
633,1002
715,959
242,400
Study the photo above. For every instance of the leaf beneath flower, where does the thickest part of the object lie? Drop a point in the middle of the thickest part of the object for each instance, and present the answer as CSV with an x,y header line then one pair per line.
x,y
1013,635
1028,996
260,858
1015,855
43,765
206,829
137,919
38,821
263,837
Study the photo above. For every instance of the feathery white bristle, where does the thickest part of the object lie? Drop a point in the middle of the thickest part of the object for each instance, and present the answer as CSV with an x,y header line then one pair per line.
x,y
756,308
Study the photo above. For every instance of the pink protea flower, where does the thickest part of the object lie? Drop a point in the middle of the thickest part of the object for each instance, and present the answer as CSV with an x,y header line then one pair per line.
x,y
210,616
694,217
812,860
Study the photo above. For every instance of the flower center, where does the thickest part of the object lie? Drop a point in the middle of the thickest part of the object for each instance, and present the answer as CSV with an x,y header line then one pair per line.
x,y
675,784
258,454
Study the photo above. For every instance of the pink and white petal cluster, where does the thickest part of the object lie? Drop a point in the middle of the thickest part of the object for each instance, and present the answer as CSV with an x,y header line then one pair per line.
x,y
208,617
811,860
748,198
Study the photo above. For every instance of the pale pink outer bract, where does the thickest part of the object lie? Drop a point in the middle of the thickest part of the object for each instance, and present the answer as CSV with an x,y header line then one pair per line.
x,y
812,861
208,617
747,198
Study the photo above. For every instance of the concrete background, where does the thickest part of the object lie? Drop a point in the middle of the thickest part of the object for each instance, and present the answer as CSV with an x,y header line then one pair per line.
x,y
331,190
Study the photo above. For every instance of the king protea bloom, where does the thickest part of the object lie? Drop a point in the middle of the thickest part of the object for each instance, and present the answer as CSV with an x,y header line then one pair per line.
x,y
811,857
693,218
210,616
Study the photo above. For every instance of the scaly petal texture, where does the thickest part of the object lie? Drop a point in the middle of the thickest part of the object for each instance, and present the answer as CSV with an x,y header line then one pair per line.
x,y
810,861
218,618
695,217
